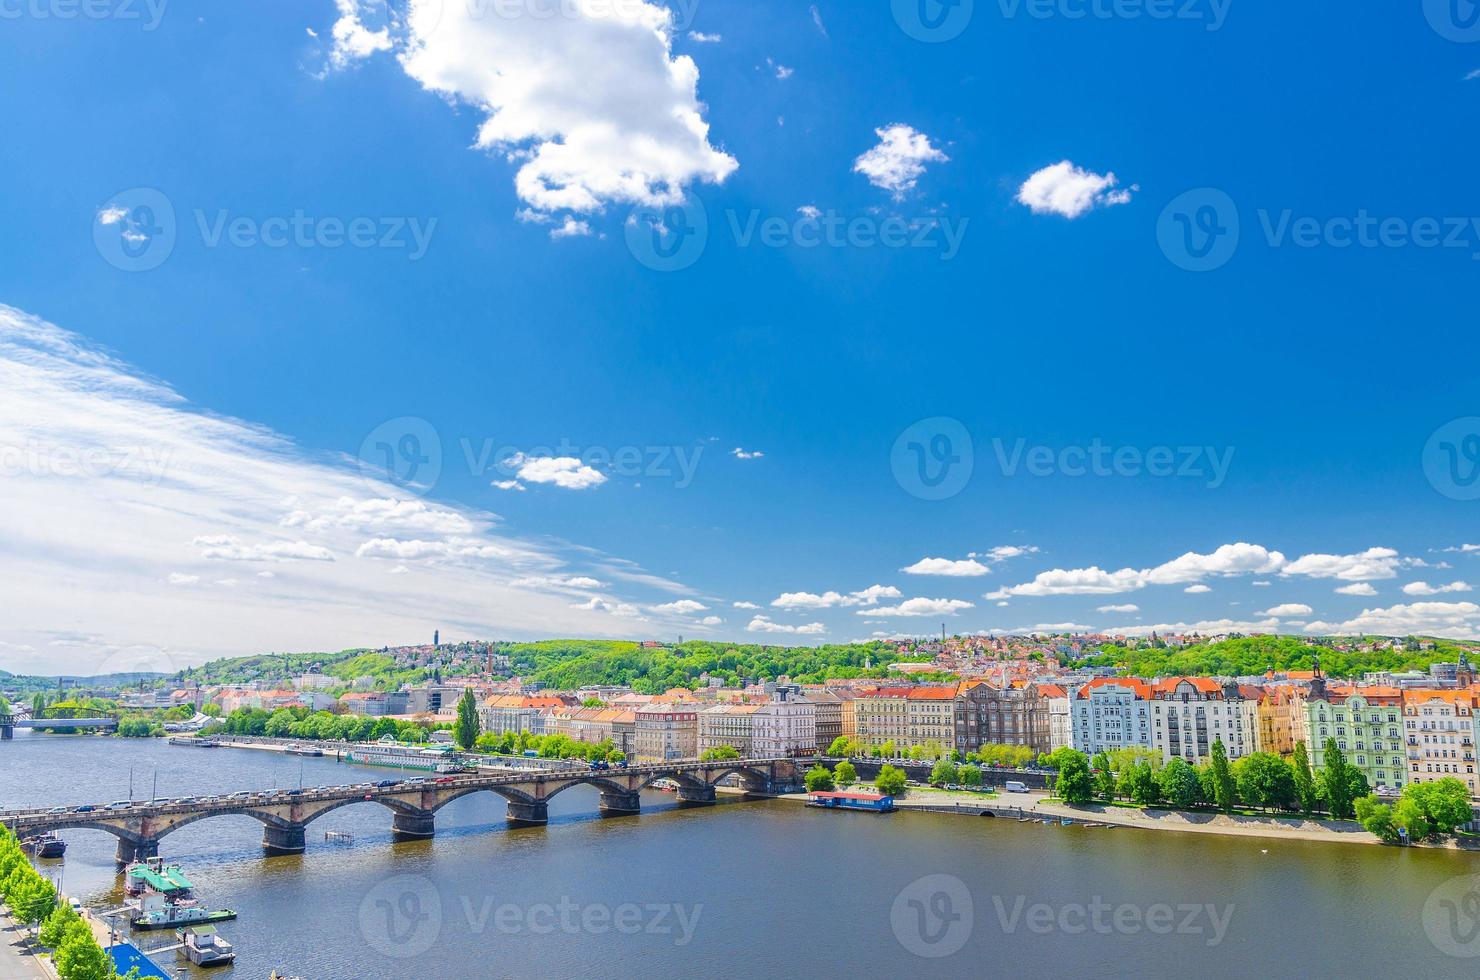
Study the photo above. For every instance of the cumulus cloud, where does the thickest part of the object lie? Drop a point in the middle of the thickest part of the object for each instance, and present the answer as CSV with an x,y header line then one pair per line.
x,y
681,607
763,624
966,568
739,453
1126,607
699,37
1005,551
1457,620
226,547
621,610
919,607
353,41
744,605
1288,609
898,161
1197,589
1356,588
562,471
177,578
1076,581
1424,588
1070,191
1227,560
381,514
593,105
1374,563
826,600
1206,627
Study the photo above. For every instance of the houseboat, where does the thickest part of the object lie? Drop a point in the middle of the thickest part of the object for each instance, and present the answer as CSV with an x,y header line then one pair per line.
x,y
46,845
193,741
389,752
311,750
866,802
204,947
163,898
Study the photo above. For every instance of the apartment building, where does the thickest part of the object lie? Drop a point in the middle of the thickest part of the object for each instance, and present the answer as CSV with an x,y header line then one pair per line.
x,y
1013,715
666,730
1440,731
1111,713
1190,714
728,724
785,727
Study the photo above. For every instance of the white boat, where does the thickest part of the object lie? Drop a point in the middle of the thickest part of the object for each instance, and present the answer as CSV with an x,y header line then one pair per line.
x,y
389,752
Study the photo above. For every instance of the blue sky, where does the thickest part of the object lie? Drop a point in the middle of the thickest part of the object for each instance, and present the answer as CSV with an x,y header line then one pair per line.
x,y
1052,180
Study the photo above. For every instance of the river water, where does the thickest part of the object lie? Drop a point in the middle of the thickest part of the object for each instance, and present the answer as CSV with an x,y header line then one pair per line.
x,y
765,888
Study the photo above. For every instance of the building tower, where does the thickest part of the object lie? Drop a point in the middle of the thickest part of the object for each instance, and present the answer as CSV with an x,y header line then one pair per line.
x,y
436,638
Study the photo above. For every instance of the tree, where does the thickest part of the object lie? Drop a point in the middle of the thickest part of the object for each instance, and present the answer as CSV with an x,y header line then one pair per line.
x,y
1225,795
1336,782
971,775
54,929
890,781
466,730
819,780
1408,814
845,774
841,746
1074,784
1179,784
1265,780
944,772
1376,818
1443,804
1305,784
719,753
33,899
1104,778
79,957
1142,786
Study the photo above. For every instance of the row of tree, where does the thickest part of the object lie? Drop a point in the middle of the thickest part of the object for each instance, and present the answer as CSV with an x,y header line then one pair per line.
x,y
890,781
318,725
33,900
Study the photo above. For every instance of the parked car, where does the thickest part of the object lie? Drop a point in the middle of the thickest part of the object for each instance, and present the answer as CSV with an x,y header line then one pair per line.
x,y
120,805
57,809
85,808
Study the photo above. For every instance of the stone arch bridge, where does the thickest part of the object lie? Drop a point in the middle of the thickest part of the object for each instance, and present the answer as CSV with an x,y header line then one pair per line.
x,y
285,814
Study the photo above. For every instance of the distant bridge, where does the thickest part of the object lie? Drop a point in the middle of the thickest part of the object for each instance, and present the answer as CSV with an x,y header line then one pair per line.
x,y
22,719
285,814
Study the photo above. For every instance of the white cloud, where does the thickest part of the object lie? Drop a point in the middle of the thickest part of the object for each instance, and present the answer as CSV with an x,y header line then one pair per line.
x,y
966,568
681,607
744,605
621,610
1128,607
1374,563
1459,620
781,71
1207,627
593,105
739,453
226,547
1005,551
810,211
1288,609
899,160
919,607
111,216
509,485
1067,190
1424,588
1357,588
353,41
763,624
571,228
556,582
1197,589
563,471
699,37
176,578
807,600
1227,560
871,595
1076,581
1470,77
174,474
817,20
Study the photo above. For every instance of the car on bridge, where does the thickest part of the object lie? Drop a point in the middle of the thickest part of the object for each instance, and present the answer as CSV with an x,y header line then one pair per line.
x,y
85,808
120,805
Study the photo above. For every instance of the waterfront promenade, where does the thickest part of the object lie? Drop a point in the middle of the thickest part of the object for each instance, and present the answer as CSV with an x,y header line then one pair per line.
x,y
16,961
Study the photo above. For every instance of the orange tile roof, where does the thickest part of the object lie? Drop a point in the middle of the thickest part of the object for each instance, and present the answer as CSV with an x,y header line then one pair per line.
x,y
932,694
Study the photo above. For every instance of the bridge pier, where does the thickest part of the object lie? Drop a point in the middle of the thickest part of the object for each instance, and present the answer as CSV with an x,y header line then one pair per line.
x,y
130,852
412,826
695,796
283,840
537,812
7,732
620,804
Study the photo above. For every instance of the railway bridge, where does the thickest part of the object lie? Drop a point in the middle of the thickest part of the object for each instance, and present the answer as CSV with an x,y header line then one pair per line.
x,y
22,719
285,814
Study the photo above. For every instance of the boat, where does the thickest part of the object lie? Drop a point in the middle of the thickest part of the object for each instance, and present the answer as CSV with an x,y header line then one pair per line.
x,y
47,845
163,898
665,785
389,752
192,741
204,947
865,802
312,750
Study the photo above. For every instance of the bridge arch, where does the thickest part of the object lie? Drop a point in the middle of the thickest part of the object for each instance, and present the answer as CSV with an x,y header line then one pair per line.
x,y
600,783
678,776
509,793
752,778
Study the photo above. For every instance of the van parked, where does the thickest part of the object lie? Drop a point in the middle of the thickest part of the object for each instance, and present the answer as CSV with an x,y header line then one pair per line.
x,y
1015,786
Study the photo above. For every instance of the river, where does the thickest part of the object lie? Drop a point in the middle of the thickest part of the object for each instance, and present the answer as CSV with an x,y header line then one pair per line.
x,y
748,889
